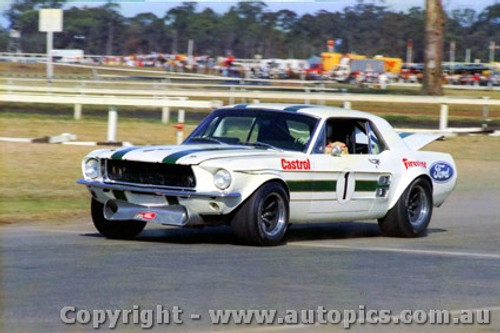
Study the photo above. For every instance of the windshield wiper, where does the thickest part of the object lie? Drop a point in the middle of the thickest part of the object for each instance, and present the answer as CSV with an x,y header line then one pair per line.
x,y
262,145
207,139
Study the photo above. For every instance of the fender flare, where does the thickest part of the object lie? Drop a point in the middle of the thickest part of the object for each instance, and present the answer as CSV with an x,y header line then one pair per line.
x,y
260,181
404,183
268,180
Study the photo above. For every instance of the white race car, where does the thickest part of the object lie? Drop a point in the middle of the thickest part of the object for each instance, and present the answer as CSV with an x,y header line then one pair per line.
x,y
261,167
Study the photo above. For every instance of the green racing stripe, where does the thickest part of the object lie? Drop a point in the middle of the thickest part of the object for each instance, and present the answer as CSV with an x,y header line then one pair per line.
x,y
170,159
330,185
118,155
173,158
366,185
312,185
295,108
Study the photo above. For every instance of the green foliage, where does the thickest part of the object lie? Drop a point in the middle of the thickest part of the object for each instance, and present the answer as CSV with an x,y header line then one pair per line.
x,y
3,39
249,28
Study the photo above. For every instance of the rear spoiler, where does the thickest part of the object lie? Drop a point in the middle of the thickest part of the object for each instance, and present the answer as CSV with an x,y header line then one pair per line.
x,y
417,141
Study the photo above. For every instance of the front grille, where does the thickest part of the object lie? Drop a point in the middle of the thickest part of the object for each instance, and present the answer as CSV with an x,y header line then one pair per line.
x,y
146,173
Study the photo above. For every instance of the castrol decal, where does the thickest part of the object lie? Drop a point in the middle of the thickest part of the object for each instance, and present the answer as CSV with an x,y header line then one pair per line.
x,y
295,164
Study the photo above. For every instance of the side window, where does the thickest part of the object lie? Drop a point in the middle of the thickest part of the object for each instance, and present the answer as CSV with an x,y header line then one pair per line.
x,y
361,139
356,134
342,132
376,145
366,140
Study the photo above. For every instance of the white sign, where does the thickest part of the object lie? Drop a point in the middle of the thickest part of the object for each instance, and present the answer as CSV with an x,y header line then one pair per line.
x,y
50,20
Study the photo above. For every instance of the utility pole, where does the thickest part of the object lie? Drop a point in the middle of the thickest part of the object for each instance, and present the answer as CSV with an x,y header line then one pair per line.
x,y
109,40
14,45
453,47
433,48
493,47
467,56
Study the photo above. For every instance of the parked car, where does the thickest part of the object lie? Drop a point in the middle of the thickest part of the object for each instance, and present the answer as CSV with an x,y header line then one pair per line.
x,y
261,167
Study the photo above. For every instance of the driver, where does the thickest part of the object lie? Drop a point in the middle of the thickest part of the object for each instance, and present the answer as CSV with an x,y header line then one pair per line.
x,y
329,147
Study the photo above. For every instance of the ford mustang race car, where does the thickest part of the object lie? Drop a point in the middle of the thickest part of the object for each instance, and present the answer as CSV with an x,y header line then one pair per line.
x,y
261,167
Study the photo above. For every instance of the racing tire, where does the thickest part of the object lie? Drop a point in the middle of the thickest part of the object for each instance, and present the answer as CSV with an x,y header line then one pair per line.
x,y
263,218
114,229
412,213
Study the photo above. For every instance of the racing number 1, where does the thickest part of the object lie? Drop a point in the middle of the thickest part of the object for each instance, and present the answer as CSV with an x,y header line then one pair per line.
x,y
345,186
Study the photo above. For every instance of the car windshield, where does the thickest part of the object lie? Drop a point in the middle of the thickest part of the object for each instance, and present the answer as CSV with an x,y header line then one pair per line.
x,y
262,129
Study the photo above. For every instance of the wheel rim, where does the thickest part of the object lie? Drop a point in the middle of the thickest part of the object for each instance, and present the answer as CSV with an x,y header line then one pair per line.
x,y
418,206
272,214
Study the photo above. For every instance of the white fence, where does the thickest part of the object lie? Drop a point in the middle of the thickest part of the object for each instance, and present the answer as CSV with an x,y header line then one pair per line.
x,y
166,97
201,90
165,103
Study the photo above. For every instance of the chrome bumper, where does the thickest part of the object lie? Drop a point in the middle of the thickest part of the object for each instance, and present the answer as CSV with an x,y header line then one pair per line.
x,y
156,190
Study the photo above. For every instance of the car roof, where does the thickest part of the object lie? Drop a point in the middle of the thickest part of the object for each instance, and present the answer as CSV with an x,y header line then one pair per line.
x,y
322,112
319,111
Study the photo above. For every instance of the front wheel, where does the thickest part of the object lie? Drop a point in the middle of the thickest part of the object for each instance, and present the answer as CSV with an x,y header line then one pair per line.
x,y
114,229
263,218
412,213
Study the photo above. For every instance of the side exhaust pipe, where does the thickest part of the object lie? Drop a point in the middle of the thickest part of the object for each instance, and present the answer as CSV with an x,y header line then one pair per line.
x,y
119,210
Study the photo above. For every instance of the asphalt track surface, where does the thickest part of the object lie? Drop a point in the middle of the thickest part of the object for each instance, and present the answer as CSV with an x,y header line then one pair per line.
x,y
47,266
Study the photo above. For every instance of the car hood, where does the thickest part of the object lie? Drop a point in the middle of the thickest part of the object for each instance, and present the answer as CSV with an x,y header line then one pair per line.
x,y
188,154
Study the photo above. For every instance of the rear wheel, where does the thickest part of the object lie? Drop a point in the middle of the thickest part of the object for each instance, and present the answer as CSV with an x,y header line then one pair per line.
x,y
263,218
412,213
114,229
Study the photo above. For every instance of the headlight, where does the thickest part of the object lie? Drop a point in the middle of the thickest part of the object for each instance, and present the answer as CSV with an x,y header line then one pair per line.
x,y
222,179
91,168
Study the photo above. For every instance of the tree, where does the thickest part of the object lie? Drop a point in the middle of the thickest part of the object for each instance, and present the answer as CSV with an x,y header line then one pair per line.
x,y
145,34
179,19
19,7
367,27
433,48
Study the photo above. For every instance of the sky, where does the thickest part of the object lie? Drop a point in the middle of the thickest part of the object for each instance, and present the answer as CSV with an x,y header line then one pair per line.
x,y
133,7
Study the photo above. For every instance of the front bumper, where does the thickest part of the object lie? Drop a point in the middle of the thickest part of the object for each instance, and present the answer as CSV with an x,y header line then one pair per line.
x,y
157,191
169,206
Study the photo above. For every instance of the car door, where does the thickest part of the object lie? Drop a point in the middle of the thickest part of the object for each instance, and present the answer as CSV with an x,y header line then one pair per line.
x,y
353,184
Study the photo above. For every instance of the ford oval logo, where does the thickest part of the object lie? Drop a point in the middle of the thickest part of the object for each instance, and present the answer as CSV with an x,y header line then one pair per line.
x,y
441,172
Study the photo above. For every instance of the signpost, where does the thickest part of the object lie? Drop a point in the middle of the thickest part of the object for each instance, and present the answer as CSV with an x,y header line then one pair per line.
x,y
493,47
50,21
409,51
453,47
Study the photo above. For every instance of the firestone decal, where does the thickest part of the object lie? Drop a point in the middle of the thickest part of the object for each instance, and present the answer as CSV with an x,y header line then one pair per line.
x,y
441,172
412,164
295,164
